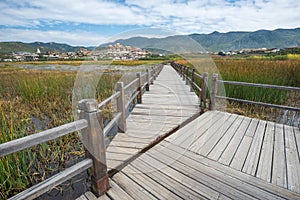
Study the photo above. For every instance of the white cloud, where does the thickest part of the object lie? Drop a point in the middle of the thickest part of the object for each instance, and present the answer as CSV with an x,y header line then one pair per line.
x,y
203,16
71,38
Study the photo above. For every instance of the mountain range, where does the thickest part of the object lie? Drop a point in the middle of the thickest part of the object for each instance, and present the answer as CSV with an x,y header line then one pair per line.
x,y
216,41
7,47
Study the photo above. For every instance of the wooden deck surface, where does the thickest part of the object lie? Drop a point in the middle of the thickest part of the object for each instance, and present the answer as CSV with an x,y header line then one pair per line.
x,y
216,156
168,103
259,148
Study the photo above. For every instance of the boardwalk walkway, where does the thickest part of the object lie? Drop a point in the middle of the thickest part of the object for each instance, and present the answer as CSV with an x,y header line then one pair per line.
x,y
167,105
215,156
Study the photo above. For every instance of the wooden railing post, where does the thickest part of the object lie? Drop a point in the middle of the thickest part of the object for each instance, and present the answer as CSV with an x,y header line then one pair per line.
x,y
213,92
93,140
121,108
158,68
187,76
203,91
180,70
152,76
148,79
183,72
193,80
139,96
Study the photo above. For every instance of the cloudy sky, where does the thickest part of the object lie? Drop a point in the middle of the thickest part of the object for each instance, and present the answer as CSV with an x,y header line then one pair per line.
x,y
91,22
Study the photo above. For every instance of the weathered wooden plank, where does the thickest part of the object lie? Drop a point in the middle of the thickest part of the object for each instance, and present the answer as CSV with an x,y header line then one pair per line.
x,y
181,137
279,176
292,159
197,131
223,197
38,138
162,119
129,138
264,169
173,183
251,162
204,175
297,137
116,192
241,154
113,164
90,196
115,149
228,172
158,190
117,156
235,142
82,197
48,184
223,143
131,187
251,130
203,136
192,108
163,164
127,144
216,136
104,197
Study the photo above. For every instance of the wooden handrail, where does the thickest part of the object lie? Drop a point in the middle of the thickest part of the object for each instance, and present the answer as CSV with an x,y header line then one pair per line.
x,y
189,75
41,137
131,83
260,103
279,87
111,124
108,100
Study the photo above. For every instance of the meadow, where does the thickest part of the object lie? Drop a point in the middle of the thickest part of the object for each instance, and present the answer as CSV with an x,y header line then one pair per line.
x,y
34,100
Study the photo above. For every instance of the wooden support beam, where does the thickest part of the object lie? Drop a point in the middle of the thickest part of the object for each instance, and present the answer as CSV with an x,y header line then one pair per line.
x,y
139,96
121,108
203,91
213,93
93,140
148,80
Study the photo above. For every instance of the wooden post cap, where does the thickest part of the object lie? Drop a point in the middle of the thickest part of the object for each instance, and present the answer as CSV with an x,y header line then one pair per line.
x,y
88,105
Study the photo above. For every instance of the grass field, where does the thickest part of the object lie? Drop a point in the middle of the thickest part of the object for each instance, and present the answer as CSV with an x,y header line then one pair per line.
x,y
34,100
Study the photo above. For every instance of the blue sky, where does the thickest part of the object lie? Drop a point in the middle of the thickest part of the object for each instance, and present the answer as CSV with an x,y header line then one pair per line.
x,y
91,22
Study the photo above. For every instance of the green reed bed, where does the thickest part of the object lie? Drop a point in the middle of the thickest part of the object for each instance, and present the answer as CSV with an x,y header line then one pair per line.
x,y
274,72
264,71
32,101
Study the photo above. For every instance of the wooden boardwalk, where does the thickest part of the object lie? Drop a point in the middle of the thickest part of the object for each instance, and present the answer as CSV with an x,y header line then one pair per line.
x,y
215,156
167,105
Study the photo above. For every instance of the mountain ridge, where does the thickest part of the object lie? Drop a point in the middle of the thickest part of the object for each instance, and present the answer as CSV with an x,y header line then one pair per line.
x,y
215,41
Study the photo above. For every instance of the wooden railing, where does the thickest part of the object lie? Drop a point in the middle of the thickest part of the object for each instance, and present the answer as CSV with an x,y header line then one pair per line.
x,y
190,74
92,132
216,81
193,79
